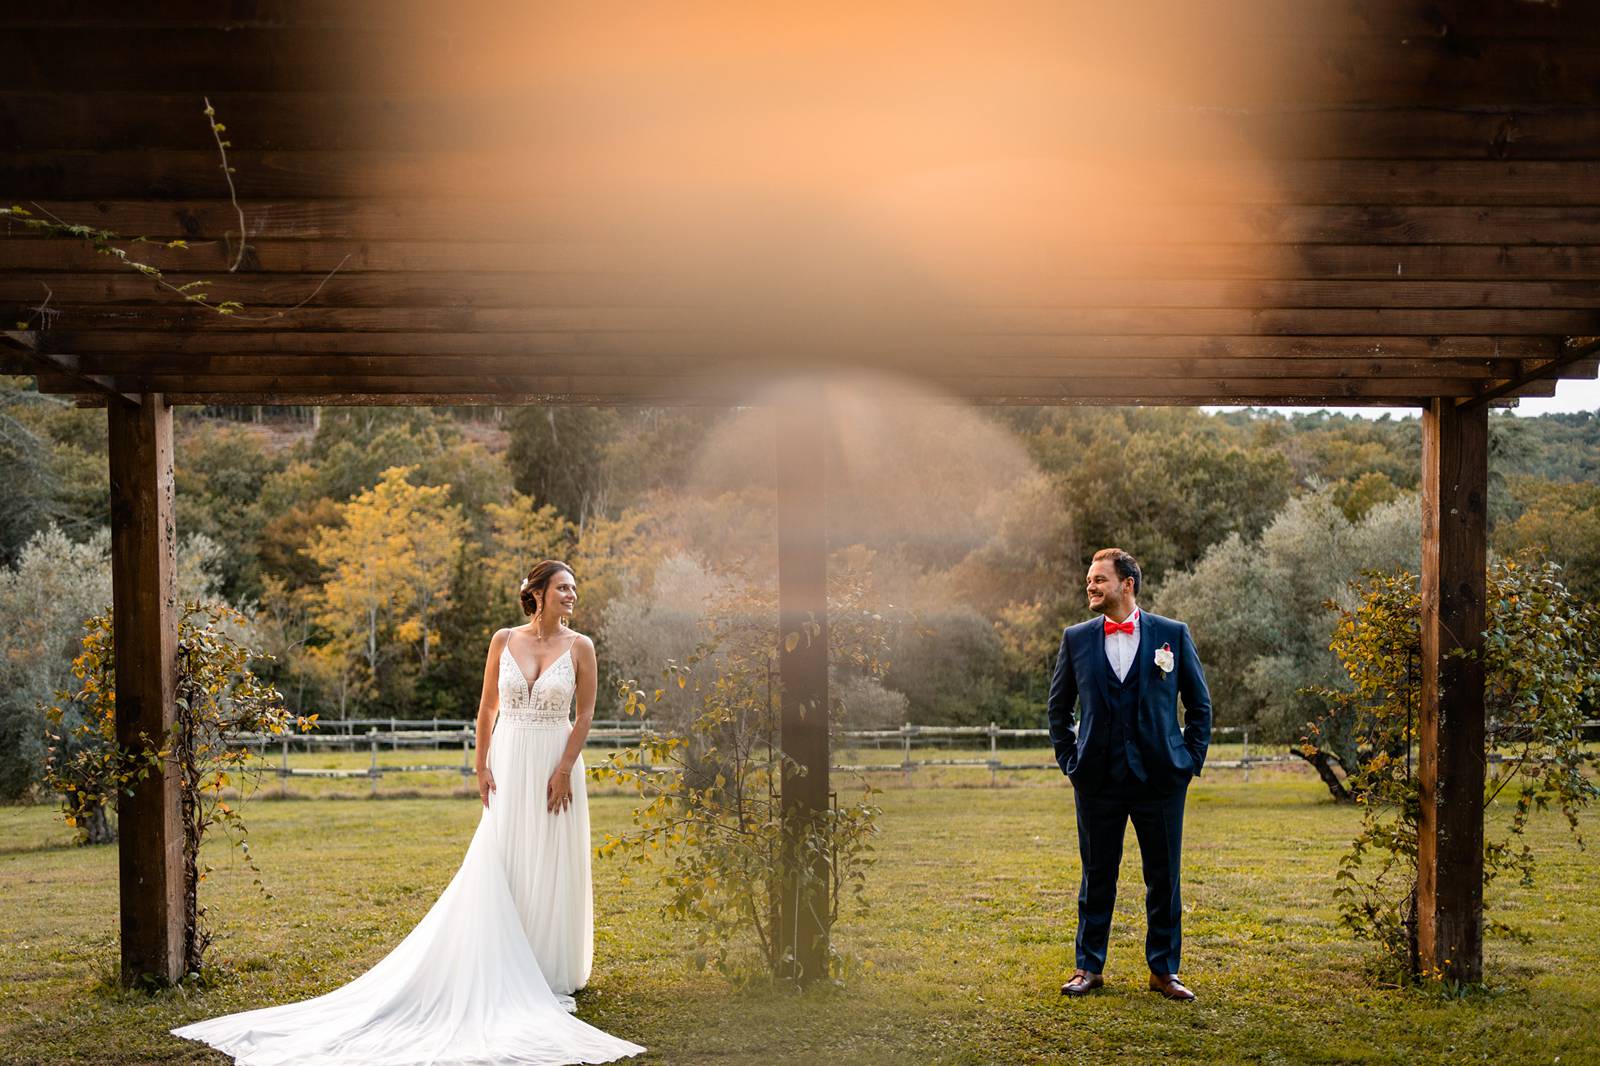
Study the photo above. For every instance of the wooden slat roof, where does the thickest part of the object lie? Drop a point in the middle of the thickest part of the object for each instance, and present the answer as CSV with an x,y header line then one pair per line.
x,y
1261,202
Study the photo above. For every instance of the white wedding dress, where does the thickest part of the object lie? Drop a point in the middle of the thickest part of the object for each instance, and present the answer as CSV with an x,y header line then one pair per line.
x,y
486,976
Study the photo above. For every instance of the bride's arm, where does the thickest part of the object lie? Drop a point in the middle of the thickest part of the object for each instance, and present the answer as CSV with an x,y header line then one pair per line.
x,y
488,705
558,792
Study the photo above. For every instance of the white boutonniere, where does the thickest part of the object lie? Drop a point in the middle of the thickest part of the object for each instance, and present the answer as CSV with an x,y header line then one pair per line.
x,y
1164,659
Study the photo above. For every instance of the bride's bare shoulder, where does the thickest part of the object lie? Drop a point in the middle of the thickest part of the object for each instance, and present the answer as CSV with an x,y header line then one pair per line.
x,y
581,640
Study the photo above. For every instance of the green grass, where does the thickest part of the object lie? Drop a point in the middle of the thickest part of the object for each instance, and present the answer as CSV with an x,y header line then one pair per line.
x,y
958,961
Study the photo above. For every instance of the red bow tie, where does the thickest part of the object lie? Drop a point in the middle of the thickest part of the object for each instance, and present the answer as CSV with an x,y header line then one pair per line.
x,y
1119,627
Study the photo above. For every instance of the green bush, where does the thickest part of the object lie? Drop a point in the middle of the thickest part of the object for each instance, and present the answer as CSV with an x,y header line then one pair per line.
x,y
1541,661
218,695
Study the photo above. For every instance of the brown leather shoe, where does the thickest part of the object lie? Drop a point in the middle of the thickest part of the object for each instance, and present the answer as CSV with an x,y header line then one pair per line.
x,y
1082,983
1168,985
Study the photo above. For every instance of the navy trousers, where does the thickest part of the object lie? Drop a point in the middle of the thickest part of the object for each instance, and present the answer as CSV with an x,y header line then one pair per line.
x,y
1157,816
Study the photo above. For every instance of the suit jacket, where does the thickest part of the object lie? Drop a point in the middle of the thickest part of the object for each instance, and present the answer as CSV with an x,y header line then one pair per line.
x,y
1083,677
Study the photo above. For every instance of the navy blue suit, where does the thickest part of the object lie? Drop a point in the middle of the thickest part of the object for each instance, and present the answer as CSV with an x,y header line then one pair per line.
x,y
1128,760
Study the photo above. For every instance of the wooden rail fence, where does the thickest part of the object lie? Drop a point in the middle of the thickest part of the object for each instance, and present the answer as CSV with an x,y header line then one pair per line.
x,y
444,732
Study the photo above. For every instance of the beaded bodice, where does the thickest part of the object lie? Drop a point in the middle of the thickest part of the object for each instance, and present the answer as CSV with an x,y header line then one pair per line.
x,y
547,702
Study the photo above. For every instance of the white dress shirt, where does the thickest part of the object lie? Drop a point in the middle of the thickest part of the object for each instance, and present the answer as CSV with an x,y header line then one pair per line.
x,y
1122,647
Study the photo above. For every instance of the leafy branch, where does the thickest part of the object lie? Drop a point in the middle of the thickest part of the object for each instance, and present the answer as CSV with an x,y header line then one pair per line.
x,y
711,822
217,130
1541,662
217,695
116,246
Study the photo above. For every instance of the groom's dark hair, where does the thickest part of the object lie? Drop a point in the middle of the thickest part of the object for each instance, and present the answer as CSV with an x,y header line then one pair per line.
x,y
1126,565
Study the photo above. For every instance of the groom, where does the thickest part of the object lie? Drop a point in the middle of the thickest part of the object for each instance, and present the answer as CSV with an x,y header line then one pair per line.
x,y
1127,761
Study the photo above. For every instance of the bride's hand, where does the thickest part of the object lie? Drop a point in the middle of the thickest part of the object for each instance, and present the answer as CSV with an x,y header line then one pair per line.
x,y
558,792
485,785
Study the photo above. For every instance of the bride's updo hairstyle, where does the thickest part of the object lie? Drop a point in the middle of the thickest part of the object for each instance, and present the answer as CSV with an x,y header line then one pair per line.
x,y
538,579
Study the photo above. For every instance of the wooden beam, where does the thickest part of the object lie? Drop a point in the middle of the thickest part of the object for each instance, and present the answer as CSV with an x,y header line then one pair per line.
x,y
467,358
732,383
1044,341
1345,19
490,331
1067,362
361,303
70,117
683,399
23,353
188,175
1237,69
1451,725
1404,132
286,272
728,385
144,610
802,445
552,220
1578,351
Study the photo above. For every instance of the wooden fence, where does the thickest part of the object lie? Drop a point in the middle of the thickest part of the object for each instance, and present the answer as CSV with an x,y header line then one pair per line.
x,y
443,734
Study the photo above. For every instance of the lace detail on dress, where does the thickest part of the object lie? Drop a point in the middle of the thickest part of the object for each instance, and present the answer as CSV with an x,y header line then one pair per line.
x,y
547,703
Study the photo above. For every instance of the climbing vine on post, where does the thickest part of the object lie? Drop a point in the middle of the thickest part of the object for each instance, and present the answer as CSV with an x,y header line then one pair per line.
x,y
218,696
1541,661
710,826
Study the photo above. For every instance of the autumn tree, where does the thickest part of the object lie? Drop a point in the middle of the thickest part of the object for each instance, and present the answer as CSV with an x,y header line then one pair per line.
x,y
1560,521
387,570
435,535
612,555
521,533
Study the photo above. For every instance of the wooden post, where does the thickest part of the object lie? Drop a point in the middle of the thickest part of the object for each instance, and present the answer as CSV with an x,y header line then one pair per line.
x,y
803,664
144,598
1455,474
994,756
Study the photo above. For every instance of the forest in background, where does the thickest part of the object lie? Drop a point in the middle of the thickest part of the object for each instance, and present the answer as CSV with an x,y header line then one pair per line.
x,y
375,550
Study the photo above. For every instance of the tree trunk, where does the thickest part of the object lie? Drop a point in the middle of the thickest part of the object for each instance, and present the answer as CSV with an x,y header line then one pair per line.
x,y
1324,766
99,827
372,643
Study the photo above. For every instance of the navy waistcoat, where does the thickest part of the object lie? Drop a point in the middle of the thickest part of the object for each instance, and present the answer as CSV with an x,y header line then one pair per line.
x,y
1123,763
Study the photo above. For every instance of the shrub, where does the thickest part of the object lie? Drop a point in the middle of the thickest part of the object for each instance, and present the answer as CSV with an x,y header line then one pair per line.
x,y
218,695
711,822
1541,662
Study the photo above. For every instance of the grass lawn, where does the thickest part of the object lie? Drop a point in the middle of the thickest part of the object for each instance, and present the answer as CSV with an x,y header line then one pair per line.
x,y
958,961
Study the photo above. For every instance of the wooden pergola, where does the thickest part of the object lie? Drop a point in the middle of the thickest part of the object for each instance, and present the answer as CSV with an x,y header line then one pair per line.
x,y
1379,203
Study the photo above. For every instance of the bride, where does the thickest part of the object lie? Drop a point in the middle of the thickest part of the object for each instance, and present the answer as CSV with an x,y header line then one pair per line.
x,y
487,975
